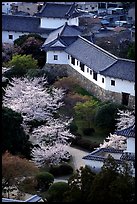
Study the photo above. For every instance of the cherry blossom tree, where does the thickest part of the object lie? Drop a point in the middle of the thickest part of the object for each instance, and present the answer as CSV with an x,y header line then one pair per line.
x,y
53,139
114,141
126,119
35,101
31,99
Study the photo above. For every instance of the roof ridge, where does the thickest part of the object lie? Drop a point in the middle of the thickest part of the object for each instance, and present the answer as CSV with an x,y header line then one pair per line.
x,y
108,66
96,46
124,59
71,6
65,24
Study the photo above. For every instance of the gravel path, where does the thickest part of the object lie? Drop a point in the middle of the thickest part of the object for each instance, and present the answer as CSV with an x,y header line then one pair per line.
x,y
77,162
77,156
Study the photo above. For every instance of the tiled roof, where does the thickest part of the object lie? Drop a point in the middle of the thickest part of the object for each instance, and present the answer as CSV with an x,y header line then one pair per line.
x,y
34,198
102,61
122,69
128,156
23,24
96,155
90,54
54,10
63,31
127,132
66,34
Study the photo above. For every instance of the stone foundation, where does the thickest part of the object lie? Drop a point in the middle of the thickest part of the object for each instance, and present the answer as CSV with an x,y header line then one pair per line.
x,y
98,92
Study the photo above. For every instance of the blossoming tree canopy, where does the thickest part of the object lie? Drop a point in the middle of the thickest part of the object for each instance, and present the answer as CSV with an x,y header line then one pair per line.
x,y
126,119
35,101
31,99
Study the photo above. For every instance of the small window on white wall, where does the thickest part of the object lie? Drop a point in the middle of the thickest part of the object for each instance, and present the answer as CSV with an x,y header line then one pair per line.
x,y
10,37
102,80
55,57
87,70
112,82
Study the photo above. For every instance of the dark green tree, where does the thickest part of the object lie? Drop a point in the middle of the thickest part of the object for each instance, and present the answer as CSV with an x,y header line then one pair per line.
x,y
14,138
106,115
131,51
44,180
20,65
112,185
79,185
56,192
31,45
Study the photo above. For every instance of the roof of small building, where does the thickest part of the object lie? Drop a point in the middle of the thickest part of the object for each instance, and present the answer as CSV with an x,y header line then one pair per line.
x,y
34,198
55,10
98,154
127,132
128,156
28,24
102,61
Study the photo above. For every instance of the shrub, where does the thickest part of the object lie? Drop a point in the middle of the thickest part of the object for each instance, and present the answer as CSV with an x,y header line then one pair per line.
x,y
105,116
67,83
60,170
88,131
56,192
44,180
20,65
73,128
86,144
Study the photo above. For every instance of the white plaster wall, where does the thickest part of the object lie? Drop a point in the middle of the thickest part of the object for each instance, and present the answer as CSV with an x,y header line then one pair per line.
x,y
88,75
56,22
6,7
120,86
130,145
73,21
5,36
93,164
62,57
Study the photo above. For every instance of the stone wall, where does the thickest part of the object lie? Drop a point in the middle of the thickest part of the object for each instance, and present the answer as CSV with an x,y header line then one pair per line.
x,y
98,92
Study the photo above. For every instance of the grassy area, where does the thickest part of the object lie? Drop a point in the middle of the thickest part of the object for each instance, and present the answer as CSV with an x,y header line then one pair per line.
x,y
98,136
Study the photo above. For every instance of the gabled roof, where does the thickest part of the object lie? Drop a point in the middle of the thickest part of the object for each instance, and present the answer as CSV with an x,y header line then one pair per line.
x,y
90,54
127,132
23,24
63,31
54,10
66,34
102,61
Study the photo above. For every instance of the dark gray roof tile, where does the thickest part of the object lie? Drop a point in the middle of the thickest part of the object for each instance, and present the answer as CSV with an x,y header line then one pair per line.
x,y
55,10
90,54
127,132
23,24
102,61
122,69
